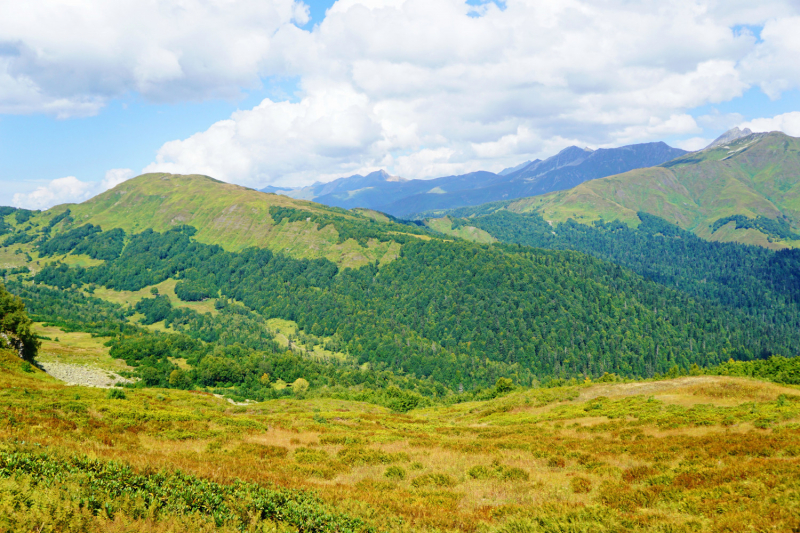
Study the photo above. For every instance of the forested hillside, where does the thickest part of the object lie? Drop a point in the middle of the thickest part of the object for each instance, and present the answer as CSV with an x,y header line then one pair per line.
x,y
438,316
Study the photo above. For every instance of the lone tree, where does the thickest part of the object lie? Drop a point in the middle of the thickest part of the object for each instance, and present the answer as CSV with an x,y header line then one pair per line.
x,y
15,326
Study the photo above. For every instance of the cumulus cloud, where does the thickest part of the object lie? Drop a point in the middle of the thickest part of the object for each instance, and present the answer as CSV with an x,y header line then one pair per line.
x,y
59,191
69,190
788,123
419,87
115,176
70,58
425,87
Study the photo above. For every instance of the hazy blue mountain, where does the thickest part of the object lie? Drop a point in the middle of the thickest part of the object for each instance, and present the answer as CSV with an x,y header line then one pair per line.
x,y
400,197
509,170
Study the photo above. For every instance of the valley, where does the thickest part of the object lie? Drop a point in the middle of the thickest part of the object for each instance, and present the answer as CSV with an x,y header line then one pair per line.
x,y
223,359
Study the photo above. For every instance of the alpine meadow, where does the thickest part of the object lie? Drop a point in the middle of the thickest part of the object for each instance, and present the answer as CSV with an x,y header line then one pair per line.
x,y
396,266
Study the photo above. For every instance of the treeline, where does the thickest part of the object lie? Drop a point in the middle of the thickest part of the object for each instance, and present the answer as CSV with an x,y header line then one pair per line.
x,y
105,246
352,226
457,313
778,369
778,228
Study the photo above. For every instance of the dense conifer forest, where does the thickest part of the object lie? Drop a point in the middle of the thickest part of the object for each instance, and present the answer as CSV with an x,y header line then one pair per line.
x,y
442,316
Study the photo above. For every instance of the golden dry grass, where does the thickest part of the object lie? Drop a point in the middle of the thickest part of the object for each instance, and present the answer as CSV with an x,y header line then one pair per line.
x,y
600,457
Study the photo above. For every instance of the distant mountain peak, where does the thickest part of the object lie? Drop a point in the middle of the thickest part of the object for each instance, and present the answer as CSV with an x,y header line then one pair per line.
x,y
509,170
729,136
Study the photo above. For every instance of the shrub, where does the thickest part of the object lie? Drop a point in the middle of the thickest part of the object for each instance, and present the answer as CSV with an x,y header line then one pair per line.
x,y
480,472
498,471
637,473
263,451
395,472
116,394
580,485
435,479
512,473
306,456
354,456
556,462
299,386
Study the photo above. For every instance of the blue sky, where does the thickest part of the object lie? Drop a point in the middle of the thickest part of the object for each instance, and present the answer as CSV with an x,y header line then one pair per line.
x,y
273,92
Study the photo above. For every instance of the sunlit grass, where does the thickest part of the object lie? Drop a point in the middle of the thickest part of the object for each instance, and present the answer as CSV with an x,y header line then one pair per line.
x,y
678,455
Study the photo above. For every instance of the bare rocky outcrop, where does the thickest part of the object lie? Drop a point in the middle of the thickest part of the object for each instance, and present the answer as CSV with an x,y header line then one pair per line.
x,y
729,136
84,375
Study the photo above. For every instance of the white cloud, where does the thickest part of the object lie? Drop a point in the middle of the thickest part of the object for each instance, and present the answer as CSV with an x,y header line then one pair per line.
x,y
70,58
69,190
773,63
788,123
59,191
115,176
693,144
420,87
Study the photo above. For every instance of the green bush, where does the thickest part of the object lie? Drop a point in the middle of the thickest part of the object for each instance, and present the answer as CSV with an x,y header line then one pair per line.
x,y
435,479
116,394
395,472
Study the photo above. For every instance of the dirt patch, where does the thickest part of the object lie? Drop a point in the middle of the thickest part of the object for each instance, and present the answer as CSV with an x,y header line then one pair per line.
x,y
86,376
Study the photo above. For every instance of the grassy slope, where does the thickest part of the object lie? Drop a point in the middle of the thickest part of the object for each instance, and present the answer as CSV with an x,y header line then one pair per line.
x,y
470,233
231,216
691,454
747,178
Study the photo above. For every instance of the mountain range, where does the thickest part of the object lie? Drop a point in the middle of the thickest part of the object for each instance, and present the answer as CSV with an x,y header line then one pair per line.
x,y
745,190
400,197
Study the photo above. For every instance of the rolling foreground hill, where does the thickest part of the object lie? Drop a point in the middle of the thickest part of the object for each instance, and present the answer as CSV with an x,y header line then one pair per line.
x,y
400,197
696,454
745,191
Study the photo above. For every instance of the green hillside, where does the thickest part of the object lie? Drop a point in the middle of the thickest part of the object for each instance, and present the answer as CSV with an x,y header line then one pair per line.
x,y
230,216
747,191
186,303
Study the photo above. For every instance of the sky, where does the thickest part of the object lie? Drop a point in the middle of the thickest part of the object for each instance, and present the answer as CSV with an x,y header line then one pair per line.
x,y
287,93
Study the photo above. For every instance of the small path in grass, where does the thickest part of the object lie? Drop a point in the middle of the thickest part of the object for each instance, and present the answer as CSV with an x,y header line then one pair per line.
x,y
83,375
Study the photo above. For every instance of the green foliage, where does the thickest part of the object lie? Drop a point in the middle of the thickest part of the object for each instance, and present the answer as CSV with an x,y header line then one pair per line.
x,y
759,282
65,216
357,227
22,215
433,479
15,326
778,228
454,313
116,394
394,472
194,291
109,487
72,310
777,369
503,385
